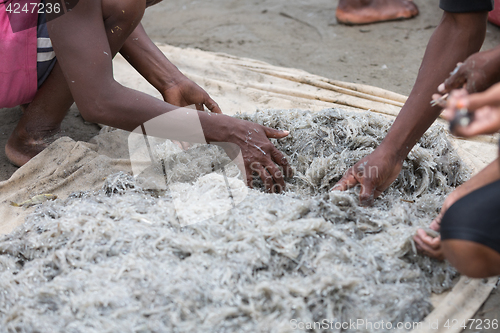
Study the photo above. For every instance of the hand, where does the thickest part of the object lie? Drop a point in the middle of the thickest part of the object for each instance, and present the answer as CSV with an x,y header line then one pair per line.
x,y
260,156
431,246
374,173
484,106
453,197
476,74
184,92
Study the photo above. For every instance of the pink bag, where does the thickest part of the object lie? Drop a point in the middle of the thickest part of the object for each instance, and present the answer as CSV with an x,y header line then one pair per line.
x,y
18,52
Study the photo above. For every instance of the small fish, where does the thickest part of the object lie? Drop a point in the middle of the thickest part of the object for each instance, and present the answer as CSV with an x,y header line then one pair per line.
x,y
36,200
431,233
441,101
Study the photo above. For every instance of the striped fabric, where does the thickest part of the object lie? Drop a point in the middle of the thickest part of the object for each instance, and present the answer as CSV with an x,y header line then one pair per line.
x,y
46,57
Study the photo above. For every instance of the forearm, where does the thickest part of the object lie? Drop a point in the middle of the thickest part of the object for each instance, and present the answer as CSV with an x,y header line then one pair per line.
x,y
128,109
457,37
140,51
490,97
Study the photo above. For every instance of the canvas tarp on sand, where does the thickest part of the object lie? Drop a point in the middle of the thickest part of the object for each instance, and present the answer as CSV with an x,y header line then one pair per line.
x,y
238,85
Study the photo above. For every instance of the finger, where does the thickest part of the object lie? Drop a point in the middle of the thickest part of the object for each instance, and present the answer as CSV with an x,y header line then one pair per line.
x,y
436,96
274,133
346,182
199,107
367,194
430,242
212,105
477,128
478,100
442,88
448,114
456,80
249,173
178,144
436,223
426,249
281,160
266,178
482,123
439,100
277,176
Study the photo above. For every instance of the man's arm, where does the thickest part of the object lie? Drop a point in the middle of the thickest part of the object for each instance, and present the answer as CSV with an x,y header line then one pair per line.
x,y
431,246
456,37
83,50
152,64
486,108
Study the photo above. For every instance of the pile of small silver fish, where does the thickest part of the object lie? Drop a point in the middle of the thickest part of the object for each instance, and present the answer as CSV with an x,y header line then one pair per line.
x,y
118,260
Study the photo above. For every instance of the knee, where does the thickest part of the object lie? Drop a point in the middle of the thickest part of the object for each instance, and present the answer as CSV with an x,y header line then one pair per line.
x,y
471,259
122,16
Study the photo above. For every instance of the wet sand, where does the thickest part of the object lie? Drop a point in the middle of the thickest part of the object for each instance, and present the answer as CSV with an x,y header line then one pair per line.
x,y
294,33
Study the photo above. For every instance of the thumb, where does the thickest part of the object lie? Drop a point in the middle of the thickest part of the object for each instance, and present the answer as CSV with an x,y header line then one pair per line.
x,y
274,133
347,181
456,80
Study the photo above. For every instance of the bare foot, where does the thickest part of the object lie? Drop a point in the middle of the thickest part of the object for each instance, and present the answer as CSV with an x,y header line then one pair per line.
x,y
371,11
22,147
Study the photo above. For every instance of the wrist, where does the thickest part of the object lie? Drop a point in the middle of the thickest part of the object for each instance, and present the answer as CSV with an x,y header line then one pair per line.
x,y
167,78
218,127
394,149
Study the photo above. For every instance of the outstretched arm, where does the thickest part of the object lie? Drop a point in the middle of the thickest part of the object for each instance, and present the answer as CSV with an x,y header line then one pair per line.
x,y
456,37
152,64
431,246
83,50
486,120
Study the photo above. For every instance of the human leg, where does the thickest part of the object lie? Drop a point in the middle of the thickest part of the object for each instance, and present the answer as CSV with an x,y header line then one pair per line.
x,y
41,120
472,259
470,232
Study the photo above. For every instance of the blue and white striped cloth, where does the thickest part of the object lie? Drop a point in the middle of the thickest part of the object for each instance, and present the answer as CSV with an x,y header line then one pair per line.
x,y
46,57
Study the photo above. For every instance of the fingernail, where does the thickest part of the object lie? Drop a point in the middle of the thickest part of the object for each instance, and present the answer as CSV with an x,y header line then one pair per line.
x,y
441,87
462,103
286,132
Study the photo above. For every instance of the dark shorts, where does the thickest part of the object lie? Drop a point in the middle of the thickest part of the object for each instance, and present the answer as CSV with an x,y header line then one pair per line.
x,y
465,6
475,217
46,57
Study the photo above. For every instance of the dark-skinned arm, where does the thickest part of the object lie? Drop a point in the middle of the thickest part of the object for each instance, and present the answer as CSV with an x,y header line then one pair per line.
x,y
457,37
431,246
84,55
140,51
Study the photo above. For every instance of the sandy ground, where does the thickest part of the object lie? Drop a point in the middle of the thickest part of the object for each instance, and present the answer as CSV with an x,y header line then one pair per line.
x,y
293,33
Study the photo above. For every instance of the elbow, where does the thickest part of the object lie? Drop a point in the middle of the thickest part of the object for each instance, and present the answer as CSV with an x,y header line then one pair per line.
x,y
95,105
93,110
